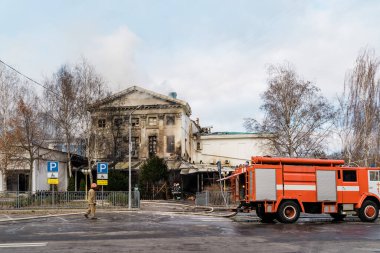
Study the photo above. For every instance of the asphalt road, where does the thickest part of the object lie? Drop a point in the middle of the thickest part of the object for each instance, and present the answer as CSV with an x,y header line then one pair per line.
x,y
143,231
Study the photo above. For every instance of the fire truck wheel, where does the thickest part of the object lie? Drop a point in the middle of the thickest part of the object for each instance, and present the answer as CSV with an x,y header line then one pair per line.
x,y
338,216
369,211
288,212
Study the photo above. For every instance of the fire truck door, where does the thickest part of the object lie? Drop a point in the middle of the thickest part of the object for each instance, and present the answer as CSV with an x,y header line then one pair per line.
x,y
348,186
374,182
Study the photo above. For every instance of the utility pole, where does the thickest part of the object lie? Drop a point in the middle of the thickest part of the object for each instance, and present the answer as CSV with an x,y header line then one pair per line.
x,y
129,159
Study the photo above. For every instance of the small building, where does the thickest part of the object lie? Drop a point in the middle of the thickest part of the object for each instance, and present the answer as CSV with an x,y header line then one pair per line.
x,y
231,149
17,176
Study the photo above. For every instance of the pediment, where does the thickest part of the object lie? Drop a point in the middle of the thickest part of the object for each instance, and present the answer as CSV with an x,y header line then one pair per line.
x,y
137,96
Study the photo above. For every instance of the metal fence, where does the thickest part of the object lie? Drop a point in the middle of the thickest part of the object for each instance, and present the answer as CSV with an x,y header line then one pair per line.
x,y
213,198
68,200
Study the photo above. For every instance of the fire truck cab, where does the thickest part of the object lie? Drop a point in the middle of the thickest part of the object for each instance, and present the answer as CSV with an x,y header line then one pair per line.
x,y
282,188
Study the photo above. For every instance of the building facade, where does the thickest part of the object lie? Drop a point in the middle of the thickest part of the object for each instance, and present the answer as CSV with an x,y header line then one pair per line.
x,y
231,149
160,125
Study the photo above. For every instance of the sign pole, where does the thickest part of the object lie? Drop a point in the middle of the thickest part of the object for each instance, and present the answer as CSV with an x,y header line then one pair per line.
x,y
53,176
86,186
102,177
53,194
129,158
129,162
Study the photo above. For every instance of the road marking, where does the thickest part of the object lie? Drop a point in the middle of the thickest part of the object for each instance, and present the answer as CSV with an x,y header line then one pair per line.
x,y
39,217
15,229
9,217
211,219
369,249
61,219
23,245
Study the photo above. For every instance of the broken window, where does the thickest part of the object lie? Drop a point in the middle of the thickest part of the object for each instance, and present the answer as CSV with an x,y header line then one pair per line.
x,y
135,122
152,121
152,145
117,122
170,144
170,120
135,145
101,123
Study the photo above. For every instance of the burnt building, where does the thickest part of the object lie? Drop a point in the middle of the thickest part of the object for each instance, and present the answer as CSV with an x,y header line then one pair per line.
x,y
160,125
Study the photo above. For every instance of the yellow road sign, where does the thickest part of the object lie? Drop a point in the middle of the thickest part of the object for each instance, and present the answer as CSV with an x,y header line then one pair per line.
x,y
102,182
52,180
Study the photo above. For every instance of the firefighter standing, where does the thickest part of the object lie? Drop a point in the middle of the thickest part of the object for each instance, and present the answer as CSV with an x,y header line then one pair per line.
x,y
91,202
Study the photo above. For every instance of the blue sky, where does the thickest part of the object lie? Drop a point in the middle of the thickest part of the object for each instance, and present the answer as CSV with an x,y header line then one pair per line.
x,y
214,54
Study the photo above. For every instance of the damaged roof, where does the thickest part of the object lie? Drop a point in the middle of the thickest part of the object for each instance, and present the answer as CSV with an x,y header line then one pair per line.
x,y
117,96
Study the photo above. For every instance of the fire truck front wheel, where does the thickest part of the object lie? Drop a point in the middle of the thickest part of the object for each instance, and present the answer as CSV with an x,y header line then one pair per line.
x,y
288,212
369,211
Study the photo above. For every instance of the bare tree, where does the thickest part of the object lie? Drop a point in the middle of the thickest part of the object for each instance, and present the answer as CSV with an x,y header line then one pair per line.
x,y
360,111
297,117
91,88
62,101
27,129
9,90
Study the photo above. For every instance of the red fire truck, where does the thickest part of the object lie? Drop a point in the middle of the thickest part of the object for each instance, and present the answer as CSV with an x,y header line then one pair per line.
x,y
282,188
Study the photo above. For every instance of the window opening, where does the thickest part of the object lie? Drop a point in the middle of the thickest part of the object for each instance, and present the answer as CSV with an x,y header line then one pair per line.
x,y
135,122
170,144
152,145
152,121
349,176
118,122
170,120
102,123
374,176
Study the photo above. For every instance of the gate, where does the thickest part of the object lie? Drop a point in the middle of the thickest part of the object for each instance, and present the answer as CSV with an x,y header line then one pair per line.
x,y
213,198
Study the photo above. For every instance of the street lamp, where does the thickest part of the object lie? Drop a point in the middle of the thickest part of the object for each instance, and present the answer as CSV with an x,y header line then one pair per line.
x,y
86,172
129,159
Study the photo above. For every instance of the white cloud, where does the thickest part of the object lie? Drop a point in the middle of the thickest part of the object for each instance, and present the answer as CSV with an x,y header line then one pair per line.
x,y
223,83
113,54
114,57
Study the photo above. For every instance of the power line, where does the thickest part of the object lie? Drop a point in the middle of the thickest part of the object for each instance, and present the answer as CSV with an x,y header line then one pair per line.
x,y
30,79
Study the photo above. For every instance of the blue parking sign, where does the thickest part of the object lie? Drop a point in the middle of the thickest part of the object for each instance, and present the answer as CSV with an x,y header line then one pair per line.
x,y
52,166
102,168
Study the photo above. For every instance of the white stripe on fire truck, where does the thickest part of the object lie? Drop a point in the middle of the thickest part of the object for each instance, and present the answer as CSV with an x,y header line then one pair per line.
x,y
297,187
347,188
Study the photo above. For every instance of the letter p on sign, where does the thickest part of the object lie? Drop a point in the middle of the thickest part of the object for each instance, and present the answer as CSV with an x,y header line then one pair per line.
x,y
52,166
102,168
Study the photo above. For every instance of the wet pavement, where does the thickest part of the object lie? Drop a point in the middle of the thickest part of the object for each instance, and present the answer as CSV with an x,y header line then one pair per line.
x,y
156,231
